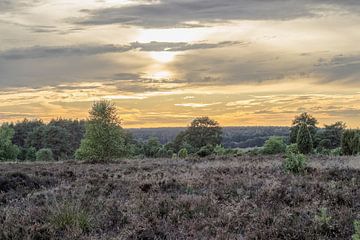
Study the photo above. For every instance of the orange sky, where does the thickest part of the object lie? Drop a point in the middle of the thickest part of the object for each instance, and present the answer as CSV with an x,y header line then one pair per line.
x,y
165,62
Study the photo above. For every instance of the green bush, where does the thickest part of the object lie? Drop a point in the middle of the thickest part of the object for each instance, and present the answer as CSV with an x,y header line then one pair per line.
x,y
30,154
205,151
292,149
183,153
219,150
336,152
350,144
295,163
44,154
356,235
304,140
274,145
164,153
152,147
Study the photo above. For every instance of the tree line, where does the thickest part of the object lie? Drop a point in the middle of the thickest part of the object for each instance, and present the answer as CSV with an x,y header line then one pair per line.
x,y
102,138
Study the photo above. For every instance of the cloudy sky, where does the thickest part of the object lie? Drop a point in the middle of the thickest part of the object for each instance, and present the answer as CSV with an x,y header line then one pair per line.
x,y
163,62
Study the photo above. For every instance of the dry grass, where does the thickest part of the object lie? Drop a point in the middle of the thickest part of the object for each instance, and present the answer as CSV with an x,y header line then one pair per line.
x,y
214,198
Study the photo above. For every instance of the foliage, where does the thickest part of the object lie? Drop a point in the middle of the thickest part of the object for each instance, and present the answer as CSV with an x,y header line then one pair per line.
x,y
292,149
330,137
300,120
304,140
8,151
219,150
44,154
350,144
22,131
202,132
151,147
274,145
27,154
104,138
356,235
336,152
295,163
183,153
205,151
323,218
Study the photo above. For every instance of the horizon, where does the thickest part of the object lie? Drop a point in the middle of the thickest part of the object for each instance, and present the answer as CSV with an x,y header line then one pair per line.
x,y
164,62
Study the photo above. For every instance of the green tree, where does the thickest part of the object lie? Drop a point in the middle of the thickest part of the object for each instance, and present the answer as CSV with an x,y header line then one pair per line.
x,y
306,119
152,147
8,151
304,139
202,132
350,144
330,137
104,138
274,145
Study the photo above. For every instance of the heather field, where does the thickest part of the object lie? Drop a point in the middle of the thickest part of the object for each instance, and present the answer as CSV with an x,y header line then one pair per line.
x,y
247,197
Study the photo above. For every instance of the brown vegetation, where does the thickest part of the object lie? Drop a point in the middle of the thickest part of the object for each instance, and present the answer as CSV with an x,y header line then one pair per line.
x,y
214,198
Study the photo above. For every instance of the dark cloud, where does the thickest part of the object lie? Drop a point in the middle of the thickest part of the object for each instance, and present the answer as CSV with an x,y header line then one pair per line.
x,y
15,5
194,13
85,50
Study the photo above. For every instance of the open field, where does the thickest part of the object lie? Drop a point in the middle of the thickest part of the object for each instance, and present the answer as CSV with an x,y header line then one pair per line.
x,y
216,198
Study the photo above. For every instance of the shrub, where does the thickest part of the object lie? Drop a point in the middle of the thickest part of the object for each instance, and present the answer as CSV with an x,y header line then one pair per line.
x,y
152,147
356,235
295,163
205,151
304,140
44,154
30,154
350,144
292,149
219,150
104,138
163,153
336,152
183,153
274,145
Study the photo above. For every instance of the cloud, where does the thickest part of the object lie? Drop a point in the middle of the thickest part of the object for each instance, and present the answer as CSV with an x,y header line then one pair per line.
x,y
195,13
86,50
196,105
15,5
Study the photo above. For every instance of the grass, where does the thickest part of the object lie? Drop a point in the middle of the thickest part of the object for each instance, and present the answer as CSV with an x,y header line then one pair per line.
x,y
248,197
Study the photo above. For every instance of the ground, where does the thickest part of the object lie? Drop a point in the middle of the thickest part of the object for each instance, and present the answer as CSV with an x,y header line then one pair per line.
x,y
248,197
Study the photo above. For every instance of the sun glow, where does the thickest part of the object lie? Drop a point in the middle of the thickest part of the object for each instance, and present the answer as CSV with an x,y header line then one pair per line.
x,y
160,75
163,57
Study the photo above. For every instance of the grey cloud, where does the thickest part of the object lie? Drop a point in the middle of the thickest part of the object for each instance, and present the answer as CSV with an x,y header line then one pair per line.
x,y
84,50
12,5
194,13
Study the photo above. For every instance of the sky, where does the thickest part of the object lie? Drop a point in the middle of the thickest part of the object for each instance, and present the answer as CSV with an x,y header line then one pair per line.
x,y
164,62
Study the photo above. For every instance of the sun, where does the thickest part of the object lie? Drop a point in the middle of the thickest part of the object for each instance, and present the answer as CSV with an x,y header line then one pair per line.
x,y
163,57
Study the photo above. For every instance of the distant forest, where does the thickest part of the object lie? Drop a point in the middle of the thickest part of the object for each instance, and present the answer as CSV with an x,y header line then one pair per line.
x,y
233,137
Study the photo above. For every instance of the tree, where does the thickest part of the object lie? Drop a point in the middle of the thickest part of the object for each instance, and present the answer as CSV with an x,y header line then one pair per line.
x,y
58,140
104,138
306,119
350,144
151,147
304,139
331,135
274,145
23,130
202,132
8,151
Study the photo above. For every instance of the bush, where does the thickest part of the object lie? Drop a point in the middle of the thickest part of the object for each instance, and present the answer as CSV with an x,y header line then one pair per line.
x,y
44,154
274,145
350,144
219,150
292,149
295,163
164,153
205,151
152,147
356,235
304,140
30,154
336,152
183,153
